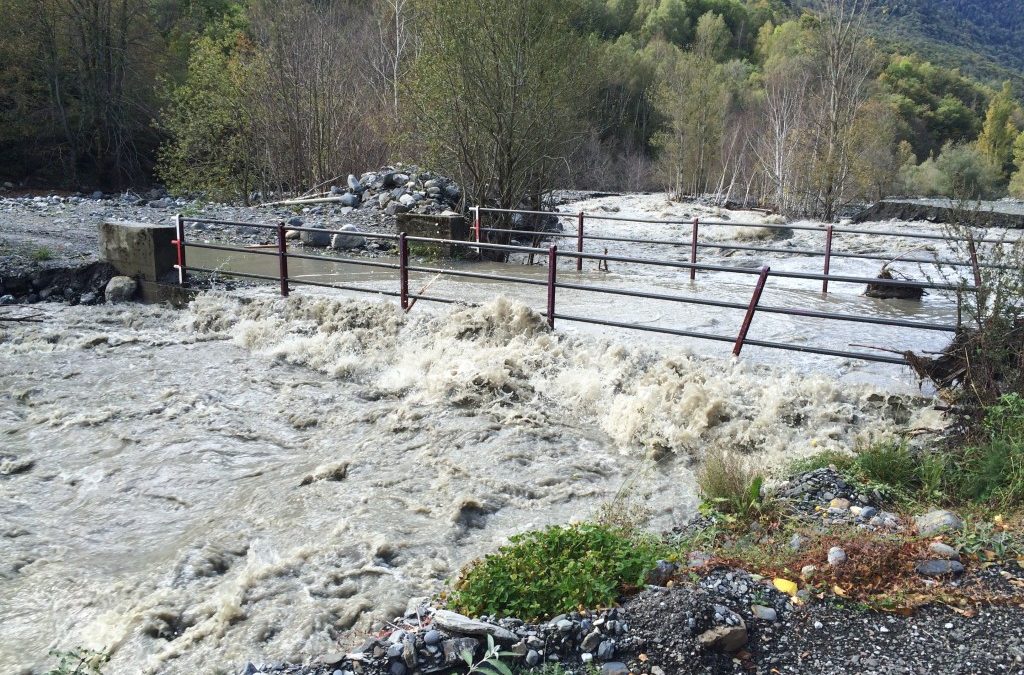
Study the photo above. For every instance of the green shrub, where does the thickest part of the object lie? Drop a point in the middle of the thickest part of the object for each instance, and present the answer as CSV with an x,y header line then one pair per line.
x,y
548,572
842,461
729,485
890,463
42,254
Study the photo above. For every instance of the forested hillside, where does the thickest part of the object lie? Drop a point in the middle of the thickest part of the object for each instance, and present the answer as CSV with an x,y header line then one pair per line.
x,y
759,101
984,38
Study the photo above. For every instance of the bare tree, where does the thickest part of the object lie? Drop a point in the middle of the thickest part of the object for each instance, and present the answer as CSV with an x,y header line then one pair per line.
x,y
389,57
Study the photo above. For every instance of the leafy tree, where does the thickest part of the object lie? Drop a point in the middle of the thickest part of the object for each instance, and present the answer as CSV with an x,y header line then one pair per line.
x,y
1017,181
209,119
501,90
1000,130
969,172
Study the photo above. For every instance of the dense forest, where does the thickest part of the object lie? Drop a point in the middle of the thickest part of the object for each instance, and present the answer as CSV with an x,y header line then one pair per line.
x,y
791,105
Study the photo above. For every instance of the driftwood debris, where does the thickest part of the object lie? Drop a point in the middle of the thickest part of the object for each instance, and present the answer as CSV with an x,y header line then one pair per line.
x,y
893,291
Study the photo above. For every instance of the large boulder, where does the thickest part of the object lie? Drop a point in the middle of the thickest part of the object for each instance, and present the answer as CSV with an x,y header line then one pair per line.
x,y
347,241
935,522
120,289
321,239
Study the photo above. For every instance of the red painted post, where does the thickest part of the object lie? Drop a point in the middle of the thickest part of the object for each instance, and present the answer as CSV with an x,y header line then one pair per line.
x,y
754,299
282,259
403,270
180,245
476,222
579,242
693,249
552,277
828,258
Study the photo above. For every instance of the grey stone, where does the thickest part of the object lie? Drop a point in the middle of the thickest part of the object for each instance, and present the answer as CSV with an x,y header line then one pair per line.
x,y
938,521
939,568
394,208
397,668
457,623
614,668
407,199
432,637
836,556
725,639
354,184
395,650
533,658
97,195
661,573
606,650
797,542
943,551
347,241
160,203
868,512
6,299
320,239
383,199
120,289
591,641
698,559
564,626
764,613
350,199
453,649
333,658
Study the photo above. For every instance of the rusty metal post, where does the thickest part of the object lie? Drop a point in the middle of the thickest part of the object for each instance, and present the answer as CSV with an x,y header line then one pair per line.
x,y
476,222
282,259
754,299
693,249
179,243
579,242
552,278
403,270
828,258
974,261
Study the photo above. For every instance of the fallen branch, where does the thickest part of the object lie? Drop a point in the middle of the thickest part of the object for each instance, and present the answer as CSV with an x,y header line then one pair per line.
x,y
422,291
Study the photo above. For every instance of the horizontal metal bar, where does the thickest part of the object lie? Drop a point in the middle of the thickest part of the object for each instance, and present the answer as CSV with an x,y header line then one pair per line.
x,y
231,249
449,301
342,287
343,261
812,314
477,275
230,273
475,244
214,221
722,338
743,247
353,233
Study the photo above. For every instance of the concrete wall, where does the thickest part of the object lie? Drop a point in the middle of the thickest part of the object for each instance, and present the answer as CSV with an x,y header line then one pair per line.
x,y
140,250
435,227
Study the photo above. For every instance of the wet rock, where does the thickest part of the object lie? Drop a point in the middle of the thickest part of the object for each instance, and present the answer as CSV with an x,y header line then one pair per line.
x,y
6,300
120,289
934,522
939,568
454,622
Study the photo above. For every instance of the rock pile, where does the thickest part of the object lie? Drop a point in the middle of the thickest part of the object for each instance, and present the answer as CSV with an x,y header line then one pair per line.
x,y
824,496
393,190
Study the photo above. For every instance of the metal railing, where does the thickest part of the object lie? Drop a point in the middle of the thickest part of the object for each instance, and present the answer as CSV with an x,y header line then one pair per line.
x,y
552,284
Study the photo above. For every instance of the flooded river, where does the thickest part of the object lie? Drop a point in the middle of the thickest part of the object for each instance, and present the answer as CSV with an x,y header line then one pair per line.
x,y
259,479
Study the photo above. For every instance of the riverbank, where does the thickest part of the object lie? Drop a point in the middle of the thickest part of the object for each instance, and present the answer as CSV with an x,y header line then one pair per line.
x,y
828,582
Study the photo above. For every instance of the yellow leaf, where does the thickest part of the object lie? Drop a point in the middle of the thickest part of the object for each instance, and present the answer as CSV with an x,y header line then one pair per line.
x,y
785,585
998,520
839,591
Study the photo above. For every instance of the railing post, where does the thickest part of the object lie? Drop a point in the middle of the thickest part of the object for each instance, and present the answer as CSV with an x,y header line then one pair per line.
x,y
179,243
828,258
579,243
282,259
693,250
403,269
754,299
552,278
476,222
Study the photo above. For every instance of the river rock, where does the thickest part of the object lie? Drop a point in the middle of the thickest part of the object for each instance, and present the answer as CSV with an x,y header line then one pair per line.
x,y
934,522
836,556
321,239
120,289
354,184
347,241
943,551
764,613
454,622
939,568
454,648
614,668
727,639
350,199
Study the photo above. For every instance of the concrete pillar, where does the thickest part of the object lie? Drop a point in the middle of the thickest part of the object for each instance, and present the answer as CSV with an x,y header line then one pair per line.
x,y
140,250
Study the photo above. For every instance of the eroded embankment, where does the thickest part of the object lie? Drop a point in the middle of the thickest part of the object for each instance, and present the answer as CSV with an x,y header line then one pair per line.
x,y
253,478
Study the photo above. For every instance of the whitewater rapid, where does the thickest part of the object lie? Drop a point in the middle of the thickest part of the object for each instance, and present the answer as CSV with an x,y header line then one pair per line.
x,y
260,479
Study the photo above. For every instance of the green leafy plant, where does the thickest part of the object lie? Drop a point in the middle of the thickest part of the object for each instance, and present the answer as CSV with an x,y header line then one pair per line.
x,y
889,463
78,661
730,486
490,663
559,569
42,254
